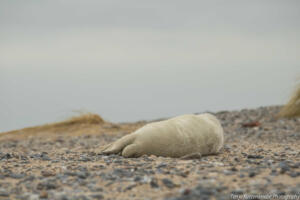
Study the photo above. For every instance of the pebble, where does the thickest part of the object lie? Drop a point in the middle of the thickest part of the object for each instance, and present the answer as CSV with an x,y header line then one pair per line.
x,y
44,194
47,173
4,193
228,172
254,156
252,174
84,158
237,192
284,167
294,174
162,165
82,175
41,156
129,187
66,168
5,156
48,185
168,183
17,176
154,183
97,196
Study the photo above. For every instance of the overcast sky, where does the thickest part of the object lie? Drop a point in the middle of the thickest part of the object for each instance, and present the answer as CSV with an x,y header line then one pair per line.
x,y
131,60
113,32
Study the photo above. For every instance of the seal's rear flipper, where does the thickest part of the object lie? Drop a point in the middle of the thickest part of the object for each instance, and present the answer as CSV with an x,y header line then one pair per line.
x,y
100,151
131,151
118,146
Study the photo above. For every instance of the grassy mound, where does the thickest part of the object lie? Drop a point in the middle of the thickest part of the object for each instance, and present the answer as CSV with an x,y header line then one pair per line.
x,y
292,108
88,123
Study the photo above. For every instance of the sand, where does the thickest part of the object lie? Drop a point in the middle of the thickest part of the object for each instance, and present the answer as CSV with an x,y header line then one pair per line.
x,y
261,156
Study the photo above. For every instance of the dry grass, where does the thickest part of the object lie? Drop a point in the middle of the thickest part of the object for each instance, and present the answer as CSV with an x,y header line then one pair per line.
x,y
60,126
292,108
84,124
72,125
88,118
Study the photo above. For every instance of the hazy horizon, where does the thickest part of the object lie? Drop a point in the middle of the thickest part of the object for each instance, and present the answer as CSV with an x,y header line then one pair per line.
x,y
133,60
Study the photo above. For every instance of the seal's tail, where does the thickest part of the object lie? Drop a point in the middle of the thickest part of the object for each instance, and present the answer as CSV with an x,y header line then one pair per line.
x,y
118,146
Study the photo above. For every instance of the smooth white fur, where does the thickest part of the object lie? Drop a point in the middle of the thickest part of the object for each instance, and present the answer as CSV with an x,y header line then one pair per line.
x,y
175,137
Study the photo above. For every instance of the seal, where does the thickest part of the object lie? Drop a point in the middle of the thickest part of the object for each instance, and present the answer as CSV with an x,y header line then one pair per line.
x,y
176,137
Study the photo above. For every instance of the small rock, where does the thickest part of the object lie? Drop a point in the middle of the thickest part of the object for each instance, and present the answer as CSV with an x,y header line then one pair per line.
x,y
153,183
146,179
294,174
94,188
162,165
234,169
122,173
227,172
62,196
254,156
237,192
6,156
130,187
48,185
81,197
252,174
295,165
185,191
273,172
84,158
137,179
48,173
44,194
44,156
33,197
168,183
82,175
236,159
97,196
227,147
17,176
4,193
284,167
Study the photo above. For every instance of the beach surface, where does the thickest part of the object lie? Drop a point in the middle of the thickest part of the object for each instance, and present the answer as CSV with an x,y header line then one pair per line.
x,y
260,160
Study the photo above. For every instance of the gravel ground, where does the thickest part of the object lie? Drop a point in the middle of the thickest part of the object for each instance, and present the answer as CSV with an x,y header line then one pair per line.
x,y
261,156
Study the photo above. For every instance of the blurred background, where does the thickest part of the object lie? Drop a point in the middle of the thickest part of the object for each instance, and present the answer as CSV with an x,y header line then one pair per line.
x,y
141,60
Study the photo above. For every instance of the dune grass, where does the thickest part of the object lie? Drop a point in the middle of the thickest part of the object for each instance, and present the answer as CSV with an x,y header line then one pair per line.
x,y
83,124
87,118
292,108
87,122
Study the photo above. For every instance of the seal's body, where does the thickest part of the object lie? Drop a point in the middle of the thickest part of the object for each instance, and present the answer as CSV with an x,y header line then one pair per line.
x,y
175,137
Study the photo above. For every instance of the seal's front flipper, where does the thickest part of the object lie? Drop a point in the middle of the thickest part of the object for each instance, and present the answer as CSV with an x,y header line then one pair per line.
x,y
191,156
119,145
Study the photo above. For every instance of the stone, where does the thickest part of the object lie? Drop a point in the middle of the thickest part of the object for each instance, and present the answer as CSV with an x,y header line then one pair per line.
x,y
168,183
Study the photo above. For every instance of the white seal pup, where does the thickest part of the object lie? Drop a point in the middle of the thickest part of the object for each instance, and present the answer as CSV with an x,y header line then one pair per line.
x,y
176,137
